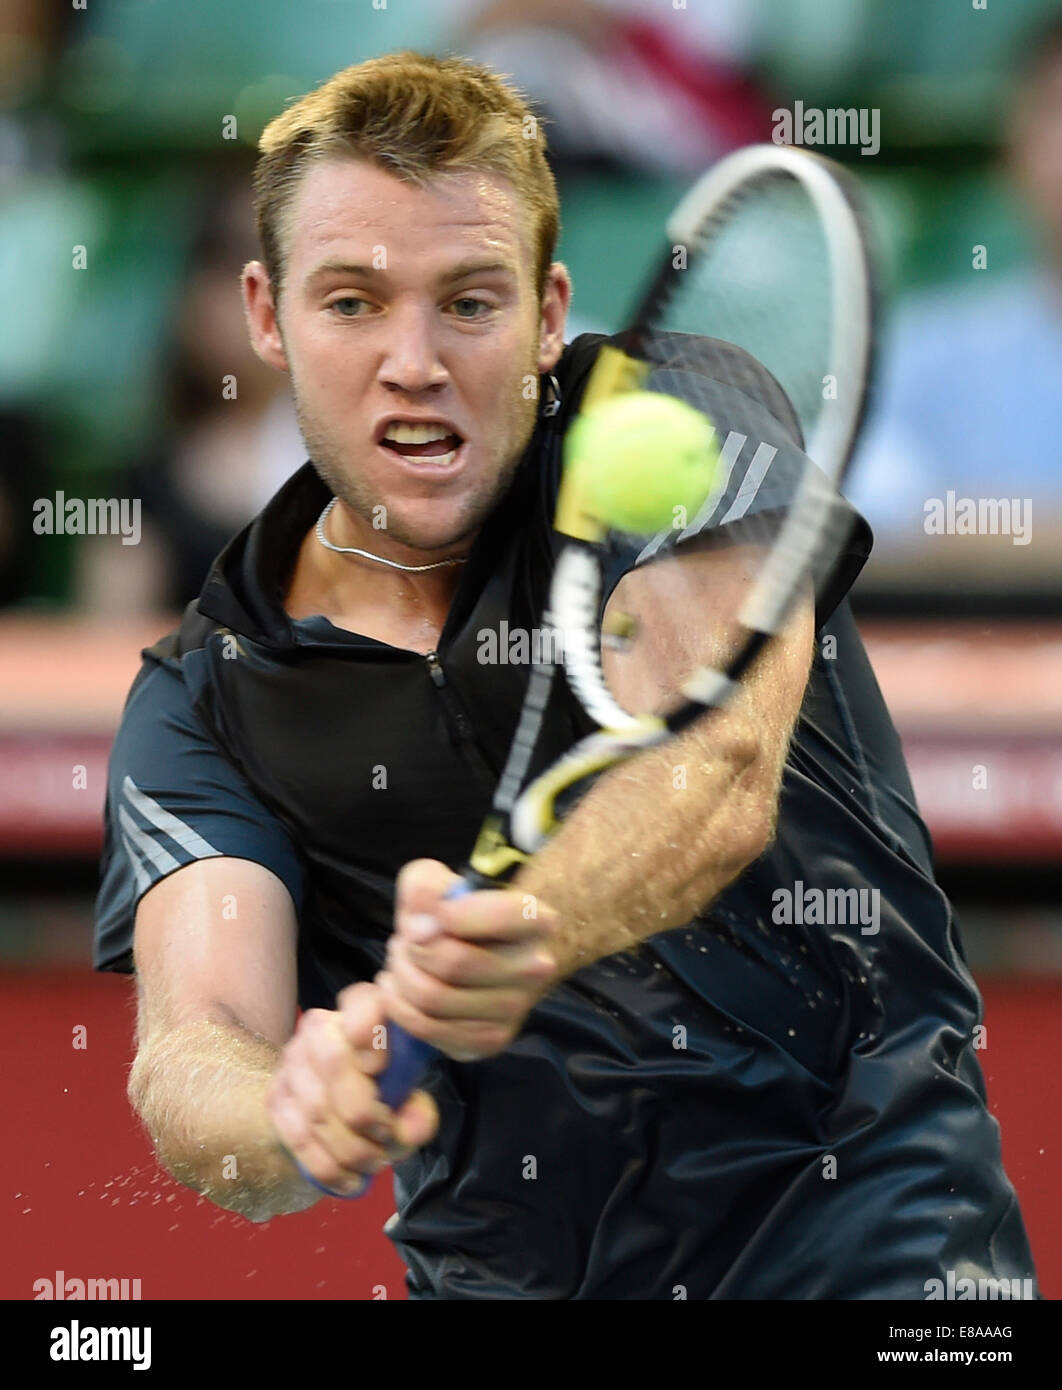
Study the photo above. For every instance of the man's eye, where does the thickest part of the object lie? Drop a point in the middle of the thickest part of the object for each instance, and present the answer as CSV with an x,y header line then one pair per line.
x,y
358,306
468,308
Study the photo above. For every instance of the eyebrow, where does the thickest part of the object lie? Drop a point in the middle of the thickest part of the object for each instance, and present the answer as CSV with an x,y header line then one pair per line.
x,y
464,271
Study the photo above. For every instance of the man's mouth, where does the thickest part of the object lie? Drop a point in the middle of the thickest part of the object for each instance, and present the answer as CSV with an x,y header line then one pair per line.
x,y
434,444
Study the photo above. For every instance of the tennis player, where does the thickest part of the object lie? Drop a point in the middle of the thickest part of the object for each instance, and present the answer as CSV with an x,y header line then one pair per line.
x,y
656,1084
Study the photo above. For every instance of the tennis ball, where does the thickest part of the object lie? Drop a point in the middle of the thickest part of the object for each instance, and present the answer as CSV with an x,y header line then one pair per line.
x,y
637,456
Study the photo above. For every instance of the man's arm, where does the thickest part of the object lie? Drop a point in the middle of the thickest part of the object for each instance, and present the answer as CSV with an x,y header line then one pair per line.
x,y
645,848
655,840
216,1003
223,1081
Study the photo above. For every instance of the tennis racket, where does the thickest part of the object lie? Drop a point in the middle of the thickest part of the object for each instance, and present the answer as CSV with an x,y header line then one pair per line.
x,y
760,314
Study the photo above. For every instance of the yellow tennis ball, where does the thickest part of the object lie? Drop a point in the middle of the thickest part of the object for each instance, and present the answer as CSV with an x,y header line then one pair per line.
x,y
637,456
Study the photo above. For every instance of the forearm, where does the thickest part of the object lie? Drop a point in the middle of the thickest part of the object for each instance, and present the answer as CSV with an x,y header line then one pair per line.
x,y
652,843
200,1090
658,838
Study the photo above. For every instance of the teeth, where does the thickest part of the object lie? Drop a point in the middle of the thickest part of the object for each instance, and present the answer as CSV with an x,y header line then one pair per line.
x,y
403,433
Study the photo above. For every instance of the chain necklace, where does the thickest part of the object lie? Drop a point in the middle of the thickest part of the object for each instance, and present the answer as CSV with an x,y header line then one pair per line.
x,y
368,555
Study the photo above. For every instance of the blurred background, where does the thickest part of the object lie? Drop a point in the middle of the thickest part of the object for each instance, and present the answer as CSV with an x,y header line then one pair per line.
x,y
127,134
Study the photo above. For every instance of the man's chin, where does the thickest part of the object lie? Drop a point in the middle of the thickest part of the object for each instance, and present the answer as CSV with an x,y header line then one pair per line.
x,y
439,536
425,545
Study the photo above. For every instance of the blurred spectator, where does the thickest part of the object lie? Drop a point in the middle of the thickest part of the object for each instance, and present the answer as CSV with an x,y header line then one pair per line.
x,y
632,82
218,459
970,401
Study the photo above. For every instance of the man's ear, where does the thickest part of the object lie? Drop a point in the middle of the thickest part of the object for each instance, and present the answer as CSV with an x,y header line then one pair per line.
x,y
260,312
556,297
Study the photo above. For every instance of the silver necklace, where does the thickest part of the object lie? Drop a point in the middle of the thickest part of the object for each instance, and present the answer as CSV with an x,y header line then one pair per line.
x,y
368,555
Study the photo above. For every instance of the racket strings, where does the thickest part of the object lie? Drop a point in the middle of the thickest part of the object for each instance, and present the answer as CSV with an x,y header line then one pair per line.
x,y
758,277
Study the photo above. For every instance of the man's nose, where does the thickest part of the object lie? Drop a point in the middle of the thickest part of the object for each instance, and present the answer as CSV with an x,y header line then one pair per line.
x,y
411,356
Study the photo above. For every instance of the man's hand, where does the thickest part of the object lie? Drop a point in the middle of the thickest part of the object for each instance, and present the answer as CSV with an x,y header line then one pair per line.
x,y
323,1100
463,974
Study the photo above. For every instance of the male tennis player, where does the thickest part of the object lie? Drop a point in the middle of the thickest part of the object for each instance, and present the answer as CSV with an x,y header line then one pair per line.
x,y
652,1089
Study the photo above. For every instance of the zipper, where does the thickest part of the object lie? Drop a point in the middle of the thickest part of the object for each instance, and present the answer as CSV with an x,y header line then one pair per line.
x,y
460,722
435,669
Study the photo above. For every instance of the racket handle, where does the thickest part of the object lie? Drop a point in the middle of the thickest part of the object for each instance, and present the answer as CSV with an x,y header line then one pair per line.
x,y
410,1057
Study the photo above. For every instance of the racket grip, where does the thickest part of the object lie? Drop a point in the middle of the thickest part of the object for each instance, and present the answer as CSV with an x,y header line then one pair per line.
x,y
410,1057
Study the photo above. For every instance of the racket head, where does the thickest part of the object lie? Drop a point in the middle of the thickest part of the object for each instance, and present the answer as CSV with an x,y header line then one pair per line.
x,y
760,314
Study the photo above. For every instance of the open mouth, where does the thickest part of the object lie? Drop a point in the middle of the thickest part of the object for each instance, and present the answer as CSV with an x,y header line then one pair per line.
x,y
432,444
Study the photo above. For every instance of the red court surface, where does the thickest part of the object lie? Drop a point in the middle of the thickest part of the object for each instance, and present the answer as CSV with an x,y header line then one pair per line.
x,y
80,1191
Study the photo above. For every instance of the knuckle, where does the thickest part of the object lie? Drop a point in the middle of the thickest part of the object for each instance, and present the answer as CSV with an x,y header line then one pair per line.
x,y
511,1005
314,1020
495,1033
333,1174
428,994
369,1158
294,1128
332,1057
358,1113
455,963
542,966
355,995
311,1099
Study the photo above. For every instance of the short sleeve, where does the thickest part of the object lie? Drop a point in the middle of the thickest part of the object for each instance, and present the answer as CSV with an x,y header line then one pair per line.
x,y
172,798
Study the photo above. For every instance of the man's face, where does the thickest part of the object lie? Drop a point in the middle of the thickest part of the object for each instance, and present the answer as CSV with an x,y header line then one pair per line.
x,y
414,304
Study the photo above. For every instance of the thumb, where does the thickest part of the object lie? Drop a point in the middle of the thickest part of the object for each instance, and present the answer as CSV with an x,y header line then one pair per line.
x,y
417,1121
419,889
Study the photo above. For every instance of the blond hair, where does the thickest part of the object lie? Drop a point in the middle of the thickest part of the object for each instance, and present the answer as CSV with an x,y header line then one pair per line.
x,y
414,116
